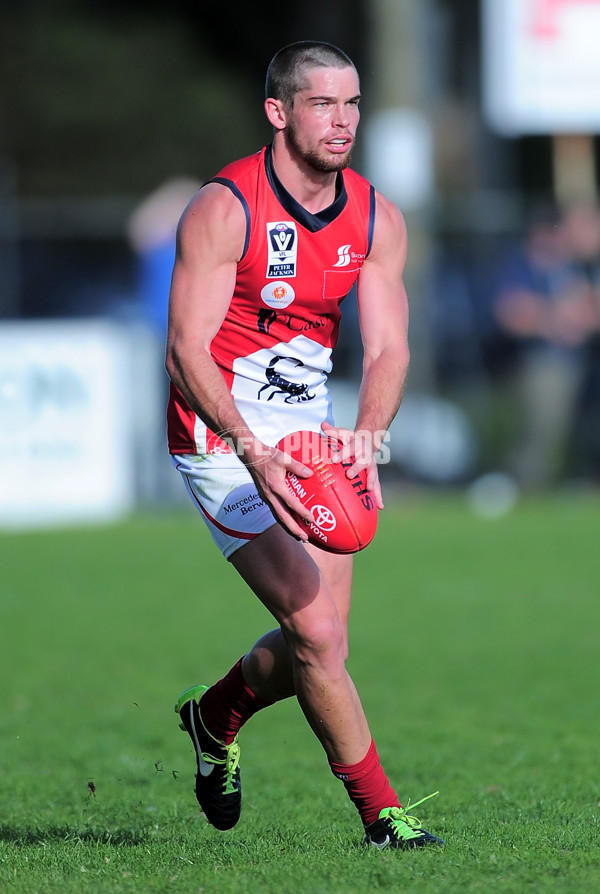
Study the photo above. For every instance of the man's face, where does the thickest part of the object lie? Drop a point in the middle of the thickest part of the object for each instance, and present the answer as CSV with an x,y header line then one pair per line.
x,y
322,123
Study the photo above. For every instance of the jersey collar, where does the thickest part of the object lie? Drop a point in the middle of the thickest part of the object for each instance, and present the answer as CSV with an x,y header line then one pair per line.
x,y
312,222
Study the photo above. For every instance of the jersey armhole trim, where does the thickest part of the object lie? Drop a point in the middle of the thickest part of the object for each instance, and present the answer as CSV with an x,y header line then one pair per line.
x,y
234,189
372,204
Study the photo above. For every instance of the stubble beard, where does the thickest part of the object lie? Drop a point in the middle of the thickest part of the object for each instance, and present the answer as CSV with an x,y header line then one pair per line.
x,y
311,158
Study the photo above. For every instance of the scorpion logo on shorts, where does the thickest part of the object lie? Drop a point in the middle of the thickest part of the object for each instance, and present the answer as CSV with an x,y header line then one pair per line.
x,y
295,393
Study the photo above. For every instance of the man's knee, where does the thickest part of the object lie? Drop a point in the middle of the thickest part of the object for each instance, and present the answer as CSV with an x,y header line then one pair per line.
x,y
316,638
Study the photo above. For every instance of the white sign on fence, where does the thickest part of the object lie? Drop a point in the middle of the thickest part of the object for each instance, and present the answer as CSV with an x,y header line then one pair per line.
x,y
541,66
65,429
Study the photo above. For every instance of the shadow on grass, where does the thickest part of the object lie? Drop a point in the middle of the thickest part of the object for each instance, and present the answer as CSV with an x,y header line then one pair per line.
x,y
27,836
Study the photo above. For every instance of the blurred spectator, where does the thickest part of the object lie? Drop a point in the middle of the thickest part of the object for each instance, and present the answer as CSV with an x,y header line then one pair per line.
x,y
582,227
151,231
542,304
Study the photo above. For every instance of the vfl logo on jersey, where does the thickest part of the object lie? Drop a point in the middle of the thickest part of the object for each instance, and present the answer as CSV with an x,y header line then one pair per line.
x,y
343,256
277,294
282,244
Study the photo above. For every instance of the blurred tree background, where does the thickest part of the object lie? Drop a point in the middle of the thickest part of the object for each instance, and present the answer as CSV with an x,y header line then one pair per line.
x,y
102,102
99,97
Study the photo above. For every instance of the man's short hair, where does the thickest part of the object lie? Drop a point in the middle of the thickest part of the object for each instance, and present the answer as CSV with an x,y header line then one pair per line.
x,y
286,74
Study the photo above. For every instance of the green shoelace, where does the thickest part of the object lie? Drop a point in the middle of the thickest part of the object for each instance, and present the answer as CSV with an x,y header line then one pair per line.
x,y
405,824
230,762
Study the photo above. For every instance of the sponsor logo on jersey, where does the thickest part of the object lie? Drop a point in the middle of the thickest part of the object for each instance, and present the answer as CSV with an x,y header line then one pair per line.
x,y
216,444
343,256
265,319
277,294
282,244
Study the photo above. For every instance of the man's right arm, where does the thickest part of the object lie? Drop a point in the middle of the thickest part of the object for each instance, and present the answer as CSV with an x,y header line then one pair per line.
x,y
210,237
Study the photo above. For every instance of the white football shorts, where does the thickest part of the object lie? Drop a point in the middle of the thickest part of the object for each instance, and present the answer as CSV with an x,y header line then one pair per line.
x,y
226,496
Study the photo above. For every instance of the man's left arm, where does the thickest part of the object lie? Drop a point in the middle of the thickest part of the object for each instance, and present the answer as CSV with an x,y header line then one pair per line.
x,y
383,318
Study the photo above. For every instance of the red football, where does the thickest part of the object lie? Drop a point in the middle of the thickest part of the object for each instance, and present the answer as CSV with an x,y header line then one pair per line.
x,y
344,511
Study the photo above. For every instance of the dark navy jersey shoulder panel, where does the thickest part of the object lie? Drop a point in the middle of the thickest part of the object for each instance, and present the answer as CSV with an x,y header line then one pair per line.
x,y
372,204
234,189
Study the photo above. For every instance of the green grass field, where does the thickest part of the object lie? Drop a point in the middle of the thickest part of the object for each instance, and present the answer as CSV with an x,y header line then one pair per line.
x,y
474,645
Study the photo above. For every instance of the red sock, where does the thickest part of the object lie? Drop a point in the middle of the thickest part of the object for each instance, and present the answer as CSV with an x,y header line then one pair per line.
x,y
367,785
227,705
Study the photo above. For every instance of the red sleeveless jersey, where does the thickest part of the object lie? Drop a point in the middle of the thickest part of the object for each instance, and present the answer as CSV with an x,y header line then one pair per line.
x,y
274,345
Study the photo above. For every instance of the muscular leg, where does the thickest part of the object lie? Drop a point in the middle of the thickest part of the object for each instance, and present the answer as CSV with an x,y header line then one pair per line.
x,y
308,593
307,655
268,667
